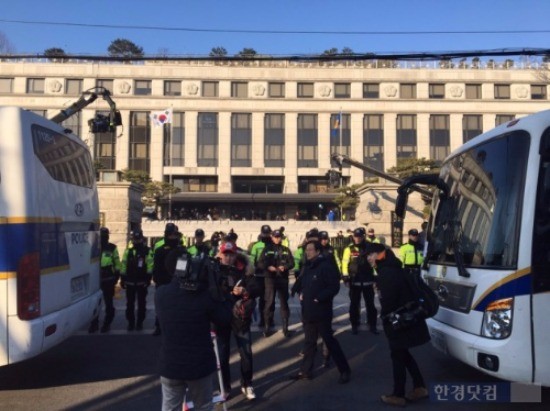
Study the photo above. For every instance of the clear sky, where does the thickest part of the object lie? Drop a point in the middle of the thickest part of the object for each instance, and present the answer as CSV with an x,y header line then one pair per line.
x,y
327,16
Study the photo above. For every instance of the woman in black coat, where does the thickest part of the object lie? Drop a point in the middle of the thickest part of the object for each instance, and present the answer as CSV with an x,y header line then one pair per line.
x,y
394,293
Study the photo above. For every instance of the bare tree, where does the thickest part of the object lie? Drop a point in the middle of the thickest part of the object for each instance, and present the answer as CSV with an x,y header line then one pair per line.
x,y
330,52
5,44
247,52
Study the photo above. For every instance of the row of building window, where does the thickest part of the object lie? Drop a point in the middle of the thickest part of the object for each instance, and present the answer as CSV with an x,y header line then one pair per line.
x,y
240,89
207,138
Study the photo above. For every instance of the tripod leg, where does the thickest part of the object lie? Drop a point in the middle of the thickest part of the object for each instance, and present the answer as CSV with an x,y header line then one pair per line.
x,y
219,368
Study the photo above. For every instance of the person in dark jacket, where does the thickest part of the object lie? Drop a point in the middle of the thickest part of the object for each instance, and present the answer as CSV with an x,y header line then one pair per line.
x,y
187,360
395,293
161,275
276,261
239,287
320,282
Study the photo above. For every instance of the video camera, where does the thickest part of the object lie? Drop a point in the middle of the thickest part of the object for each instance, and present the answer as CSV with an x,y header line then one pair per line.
x,y
199,272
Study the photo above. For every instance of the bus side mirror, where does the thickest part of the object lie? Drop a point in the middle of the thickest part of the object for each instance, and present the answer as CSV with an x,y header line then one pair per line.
x,y
401,203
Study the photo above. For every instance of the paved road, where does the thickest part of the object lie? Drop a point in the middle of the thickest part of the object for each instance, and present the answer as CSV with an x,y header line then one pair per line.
x,y
117,371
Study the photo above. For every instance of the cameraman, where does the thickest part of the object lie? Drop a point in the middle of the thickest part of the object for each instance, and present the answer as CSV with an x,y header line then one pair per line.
x,y
185,308
394,294
239,287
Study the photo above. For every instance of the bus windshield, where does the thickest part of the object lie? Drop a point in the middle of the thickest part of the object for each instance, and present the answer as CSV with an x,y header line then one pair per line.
x,y
483,210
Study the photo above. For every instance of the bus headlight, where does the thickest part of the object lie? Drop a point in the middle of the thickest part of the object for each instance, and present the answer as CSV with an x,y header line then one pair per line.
x,y
497,319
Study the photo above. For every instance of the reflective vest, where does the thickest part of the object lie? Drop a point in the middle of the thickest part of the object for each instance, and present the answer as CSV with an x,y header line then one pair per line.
x,y
411,255
110,263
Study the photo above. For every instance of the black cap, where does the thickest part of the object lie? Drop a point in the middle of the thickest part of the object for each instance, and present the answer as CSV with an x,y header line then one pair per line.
x,y
376,248
312,233
104,230
413,231
359,232
170,229
266,230
323,235
277,233
231,236
282,229
199,232
137,235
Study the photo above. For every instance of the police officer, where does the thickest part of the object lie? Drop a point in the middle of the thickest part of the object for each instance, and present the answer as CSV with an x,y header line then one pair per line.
x,y
109,273
170,227
411,252
371,237
200,247
276,261
328,250
137,269
255,253
299,255
359,276
161,274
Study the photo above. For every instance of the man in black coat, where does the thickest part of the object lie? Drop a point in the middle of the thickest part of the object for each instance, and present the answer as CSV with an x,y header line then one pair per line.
x,y
320,282
187,358
394,294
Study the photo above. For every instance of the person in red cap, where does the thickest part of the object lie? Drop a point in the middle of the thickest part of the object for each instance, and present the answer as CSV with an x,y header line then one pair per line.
x,y
240,288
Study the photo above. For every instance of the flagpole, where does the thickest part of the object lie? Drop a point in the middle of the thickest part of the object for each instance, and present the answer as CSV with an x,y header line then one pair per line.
x,y
171,160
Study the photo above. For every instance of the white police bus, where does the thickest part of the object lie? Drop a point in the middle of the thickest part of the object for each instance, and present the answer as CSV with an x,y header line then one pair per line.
x,y
488,253
49,247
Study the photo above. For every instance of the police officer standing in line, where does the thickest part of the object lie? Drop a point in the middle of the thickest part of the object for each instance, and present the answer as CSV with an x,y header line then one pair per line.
x,y
328,250
276,260
371,237
109,273
170,227
135,278
255,253
161,275
320,282
200,246
359,276
411,253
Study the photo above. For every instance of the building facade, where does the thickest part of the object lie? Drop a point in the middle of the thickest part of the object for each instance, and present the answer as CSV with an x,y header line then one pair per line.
x,y
252,138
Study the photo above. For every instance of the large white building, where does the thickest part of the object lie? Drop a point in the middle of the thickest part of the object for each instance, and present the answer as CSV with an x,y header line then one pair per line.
x,y
252,138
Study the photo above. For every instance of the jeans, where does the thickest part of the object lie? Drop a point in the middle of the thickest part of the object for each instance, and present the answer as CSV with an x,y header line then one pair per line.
x,y
243,339
199,391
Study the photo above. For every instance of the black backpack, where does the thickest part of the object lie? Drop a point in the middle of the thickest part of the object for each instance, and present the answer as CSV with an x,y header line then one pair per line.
x,y
424,304
423,295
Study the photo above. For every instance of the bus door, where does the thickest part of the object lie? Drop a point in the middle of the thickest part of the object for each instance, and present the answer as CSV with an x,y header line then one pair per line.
x,y
541,268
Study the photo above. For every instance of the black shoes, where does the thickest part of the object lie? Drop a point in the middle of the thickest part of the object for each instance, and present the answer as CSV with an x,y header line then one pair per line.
x,y
268,332
354,330
131,327
301,376
139,327
326,362
156,332
374,330
344,377
105,328
94,326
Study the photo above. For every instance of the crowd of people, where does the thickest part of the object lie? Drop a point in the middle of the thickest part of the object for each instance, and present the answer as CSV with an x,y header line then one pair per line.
x,y
214,286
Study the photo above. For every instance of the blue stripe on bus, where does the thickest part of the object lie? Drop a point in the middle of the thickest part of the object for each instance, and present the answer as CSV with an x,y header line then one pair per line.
x,y
522,285
25,238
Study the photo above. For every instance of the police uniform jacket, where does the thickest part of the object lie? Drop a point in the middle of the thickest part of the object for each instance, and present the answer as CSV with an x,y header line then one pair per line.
x,y
276,255
110,264
137,265
319,281
186,351
394,293
355,266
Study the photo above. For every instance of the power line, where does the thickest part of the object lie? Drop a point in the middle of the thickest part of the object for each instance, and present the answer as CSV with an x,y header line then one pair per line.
x,y
242,31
